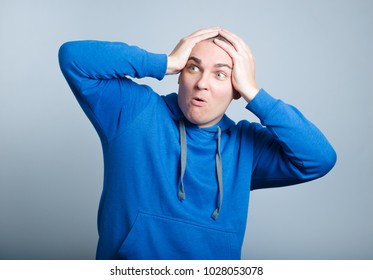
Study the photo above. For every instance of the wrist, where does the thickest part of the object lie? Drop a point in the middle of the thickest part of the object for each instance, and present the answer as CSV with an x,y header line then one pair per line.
x,y
250,94
171,66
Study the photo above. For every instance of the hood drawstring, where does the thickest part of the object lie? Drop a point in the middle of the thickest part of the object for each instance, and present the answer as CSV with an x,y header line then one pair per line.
x,y
183,150
218,164
219,174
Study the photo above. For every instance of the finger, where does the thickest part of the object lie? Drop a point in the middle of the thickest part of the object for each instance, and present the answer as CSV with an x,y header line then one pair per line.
x,y
207,34
236,41
204,30
230,35
229,49
234,54
191,40
203,36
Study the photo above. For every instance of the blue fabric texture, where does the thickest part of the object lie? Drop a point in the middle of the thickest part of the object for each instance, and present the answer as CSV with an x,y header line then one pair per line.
x,y
141,215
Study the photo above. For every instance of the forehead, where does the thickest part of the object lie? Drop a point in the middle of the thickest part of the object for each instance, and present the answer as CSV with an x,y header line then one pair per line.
x,y
210,54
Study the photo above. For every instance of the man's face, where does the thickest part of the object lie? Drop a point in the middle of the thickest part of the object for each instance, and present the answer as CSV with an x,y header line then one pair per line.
x,y
205,86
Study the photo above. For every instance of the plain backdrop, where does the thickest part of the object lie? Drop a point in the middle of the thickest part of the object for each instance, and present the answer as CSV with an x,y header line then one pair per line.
x,y
314,54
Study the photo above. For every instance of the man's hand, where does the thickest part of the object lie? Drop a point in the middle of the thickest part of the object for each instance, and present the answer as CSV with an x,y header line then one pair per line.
x,y
179,56
243,75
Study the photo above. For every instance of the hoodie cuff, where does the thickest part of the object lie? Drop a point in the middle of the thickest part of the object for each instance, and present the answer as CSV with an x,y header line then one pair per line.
x,y
157,65
262,105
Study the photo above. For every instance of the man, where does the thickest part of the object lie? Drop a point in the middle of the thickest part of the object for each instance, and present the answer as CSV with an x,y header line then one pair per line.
x,y
178,171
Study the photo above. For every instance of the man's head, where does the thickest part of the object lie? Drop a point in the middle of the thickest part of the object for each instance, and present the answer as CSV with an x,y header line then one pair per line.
x,y
205,85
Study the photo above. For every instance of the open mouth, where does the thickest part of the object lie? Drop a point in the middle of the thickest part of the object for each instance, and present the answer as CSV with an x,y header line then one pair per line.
x,y
197,101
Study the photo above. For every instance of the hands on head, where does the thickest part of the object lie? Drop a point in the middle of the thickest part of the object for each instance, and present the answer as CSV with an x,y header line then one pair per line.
x,y
243,74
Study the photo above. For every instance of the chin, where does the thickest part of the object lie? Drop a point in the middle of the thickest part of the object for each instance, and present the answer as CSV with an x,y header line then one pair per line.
x,y
197,118
193,120
200,122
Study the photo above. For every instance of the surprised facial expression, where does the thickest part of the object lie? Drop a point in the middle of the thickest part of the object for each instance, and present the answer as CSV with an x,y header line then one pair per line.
x,y
205,86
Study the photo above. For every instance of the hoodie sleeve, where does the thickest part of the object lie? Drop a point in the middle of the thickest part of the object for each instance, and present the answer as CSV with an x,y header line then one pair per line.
x,y
99,74
289,149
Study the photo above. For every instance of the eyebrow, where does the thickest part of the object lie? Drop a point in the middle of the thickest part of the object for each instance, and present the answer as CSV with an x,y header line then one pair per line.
x,y
217,65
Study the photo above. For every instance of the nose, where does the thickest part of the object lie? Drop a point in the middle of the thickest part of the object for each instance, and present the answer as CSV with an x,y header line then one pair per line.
x,y
203,82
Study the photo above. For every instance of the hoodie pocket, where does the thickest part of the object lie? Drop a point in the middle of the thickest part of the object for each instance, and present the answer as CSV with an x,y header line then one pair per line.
x,y
159,237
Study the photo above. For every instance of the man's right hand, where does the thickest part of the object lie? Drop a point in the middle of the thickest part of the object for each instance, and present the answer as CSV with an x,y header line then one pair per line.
x,y
178,58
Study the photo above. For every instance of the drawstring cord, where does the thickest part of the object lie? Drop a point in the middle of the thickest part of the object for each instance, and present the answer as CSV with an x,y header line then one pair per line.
x,y
218,164
219,173
183,149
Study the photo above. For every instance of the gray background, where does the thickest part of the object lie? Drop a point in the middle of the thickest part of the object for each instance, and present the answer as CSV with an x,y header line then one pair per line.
x,y
316,55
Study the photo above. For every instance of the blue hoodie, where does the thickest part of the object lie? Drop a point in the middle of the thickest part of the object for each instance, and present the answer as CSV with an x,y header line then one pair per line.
x,y
173,190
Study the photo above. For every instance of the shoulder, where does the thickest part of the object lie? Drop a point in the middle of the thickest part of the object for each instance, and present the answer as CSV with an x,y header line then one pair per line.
x,y
171,102
247,131
245,125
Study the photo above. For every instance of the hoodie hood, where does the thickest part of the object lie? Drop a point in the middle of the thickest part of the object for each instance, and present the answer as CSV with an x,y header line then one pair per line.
x,y
224,124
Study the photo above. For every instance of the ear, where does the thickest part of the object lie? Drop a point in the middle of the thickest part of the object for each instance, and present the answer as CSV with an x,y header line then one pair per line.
x,y
236,95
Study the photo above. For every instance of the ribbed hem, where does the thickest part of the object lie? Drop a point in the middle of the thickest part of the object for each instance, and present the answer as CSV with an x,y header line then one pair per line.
x,y
157,65
262,105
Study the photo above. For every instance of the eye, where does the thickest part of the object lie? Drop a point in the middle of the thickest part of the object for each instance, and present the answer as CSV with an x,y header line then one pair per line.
x,y
221,75
193,68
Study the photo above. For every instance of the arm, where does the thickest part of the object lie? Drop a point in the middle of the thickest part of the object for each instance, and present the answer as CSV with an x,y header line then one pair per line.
x,y
84,61
97,74
289,149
